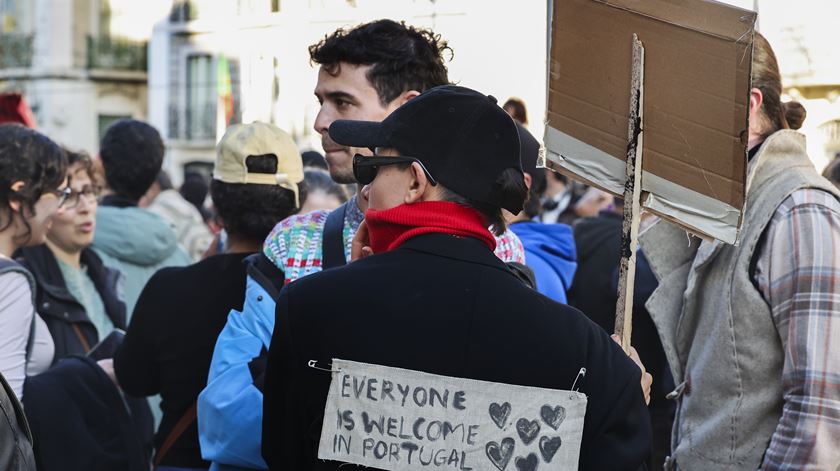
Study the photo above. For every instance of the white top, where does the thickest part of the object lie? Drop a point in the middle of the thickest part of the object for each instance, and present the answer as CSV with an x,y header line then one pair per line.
x,y
16,311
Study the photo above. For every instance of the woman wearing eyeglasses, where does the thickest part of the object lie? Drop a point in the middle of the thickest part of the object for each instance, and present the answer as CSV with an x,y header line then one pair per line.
x,y
71,405
77,295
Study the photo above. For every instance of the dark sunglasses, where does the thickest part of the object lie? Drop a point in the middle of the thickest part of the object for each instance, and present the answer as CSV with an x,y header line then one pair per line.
x,y
365,167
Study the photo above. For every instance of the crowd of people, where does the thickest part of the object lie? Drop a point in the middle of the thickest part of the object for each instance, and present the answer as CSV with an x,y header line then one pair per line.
x,y
143,327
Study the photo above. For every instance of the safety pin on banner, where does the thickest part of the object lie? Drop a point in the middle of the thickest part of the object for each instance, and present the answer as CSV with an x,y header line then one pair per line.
x,y
314,365
581,374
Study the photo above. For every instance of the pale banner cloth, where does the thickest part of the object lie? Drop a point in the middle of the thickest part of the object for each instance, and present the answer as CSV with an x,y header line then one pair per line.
x,y
396,419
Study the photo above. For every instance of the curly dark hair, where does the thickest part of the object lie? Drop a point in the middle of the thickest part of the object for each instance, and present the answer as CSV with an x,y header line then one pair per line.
x,y
403,57
132,154
250,210
33,158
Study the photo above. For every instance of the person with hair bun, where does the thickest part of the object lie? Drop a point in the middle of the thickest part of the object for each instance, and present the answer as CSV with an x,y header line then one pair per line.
x,y
446,167
756,350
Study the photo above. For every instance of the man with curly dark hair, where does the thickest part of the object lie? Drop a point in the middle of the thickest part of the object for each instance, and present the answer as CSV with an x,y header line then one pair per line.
x,y
369,71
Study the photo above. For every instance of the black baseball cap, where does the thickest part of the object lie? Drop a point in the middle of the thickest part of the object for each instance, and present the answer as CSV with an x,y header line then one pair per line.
x,y
529,149
462,137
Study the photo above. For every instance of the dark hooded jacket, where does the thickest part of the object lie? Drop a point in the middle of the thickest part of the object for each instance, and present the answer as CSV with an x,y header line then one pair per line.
x,y
81,421
72,331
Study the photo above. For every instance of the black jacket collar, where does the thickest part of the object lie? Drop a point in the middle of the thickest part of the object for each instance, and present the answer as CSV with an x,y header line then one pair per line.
x,y
44,266
466,249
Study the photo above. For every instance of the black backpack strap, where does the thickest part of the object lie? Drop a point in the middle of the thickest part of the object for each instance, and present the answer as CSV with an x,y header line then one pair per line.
x,y
524,273
265,273
332,245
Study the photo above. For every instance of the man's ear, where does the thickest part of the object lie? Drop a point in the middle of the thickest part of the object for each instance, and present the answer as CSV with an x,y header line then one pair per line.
x,y
756,100
419,187
528,180
402,99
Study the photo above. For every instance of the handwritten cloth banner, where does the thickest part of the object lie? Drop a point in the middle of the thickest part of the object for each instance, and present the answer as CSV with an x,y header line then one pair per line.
x,y
397,419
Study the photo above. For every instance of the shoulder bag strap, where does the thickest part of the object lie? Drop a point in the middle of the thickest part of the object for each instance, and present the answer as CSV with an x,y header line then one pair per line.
x,y
333,239
183,423
82,339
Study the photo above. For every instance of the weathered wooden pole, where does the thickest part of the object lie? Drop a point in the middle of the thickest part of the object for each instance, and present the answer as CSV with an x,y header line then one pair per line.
x,y
632,199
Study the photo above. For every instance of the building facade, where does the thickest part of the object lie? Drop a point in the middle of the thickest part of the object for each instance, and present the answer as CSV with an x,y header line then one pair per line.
x,y
80,64
810,64
213,63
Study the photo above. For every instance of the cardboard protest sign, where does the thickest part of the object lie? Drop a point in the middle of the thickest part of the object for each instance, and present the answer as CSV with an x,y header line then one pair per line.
x,y
397,419
698,57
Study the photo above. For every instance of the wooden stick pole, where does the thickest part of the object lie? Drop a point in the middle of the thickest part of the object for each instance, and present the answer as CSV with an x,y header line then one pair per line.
x,y
632,200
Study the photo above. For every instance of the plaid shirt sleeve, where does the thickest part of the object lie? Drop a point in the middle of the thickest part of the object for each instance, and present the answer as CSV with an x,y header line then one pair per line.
x,y
798,272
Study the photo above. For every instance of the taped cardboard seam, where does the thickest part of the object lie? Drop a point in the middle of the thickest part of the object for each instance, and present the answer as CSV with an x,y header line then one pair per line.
x,y
706,215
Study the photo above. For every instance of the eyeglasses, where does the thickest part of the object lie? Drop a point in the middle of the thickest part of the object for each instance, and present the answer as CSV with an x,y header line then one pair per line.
x,y
89,192
62,195
366,167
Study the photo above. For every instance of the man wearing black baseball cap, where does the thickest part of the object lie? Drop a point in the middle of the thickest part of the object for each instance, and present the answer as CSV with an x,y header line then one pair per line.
x,y
433,297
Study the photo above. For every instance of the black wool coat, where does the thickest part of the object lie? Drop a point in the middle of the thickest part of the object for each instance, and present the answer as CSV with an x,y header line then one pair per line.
x,y
443,305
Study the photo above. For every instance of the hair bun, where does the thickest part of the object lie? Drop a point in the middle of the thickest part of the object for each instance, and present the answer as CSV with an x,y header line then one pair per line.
x,y
794,114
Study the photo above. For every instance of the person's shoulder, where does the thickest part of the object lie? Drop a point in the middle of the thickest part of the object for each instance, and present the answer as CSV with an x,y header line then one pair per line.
x,y
509,248
577,335
346,281
13,281
298,237
14,289
815,198
549,317
174,278
304,221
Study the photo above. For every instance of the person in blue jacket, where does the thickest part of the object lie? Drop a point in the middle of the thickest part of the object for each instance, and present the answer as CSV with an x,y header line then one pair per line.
x,y
549,248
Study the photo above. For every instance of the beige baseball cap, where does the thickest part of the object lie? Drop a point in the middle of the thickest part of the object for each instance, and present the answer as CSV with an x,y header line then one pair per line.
x,y
243,140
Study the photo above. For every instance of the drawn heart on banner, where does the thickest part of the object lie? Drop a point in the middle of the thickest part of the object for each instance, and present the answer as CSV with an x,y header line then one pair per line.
x,y
528,430
527,464
500,455
549,447
500,413
553,417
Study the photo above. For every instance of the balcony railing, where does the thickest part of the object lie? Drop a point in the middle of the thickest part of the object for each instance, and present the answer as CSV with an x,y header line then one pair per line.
x,y
105,52
15,50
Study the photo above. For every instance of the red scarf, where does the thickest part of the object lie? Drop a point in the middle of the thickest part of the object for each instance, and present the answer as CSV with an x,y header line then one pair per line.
x,y
390,228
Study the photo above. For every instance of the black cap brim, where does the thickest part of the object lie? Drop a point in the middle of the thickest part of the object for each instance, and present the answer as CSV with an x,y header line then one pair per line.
x,y
370,134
